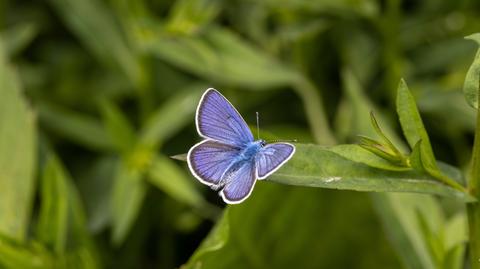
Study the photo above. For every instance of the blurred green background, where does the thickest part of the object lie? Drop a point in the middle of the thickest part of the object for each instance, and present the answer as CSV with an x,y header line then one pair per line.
x,y
95,95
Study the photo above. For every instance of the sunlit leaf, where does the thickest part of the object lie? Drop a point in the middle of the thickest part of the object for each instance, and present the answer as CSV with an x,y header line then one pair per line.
x,y
17,154
471,86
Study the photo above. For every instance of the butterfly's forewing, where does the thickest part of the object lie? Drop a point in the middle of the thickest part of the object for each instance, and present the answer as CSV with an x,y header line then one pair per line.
x,y
272,157
218,120
208,160
239,183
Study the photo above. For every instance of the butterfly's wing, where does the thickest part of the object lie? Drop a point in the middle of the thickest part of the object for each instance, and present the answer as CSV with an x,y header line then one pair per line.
x,y
208,161
218,120
272,157
239,182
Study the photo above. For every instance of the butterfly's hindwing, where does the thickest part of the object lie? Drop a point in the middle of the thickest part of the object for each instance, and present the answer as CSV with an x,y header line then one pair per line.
x,y
239,182
272,157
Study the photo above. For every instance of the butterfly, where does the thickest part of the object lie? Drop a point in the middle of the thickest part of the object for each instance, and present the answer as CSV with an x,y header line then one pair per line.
x,y
229,160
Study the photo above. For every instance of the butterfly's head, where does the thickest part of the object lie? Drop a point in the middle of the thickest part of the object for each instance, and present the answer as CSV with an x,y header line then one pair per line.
x,y
262,142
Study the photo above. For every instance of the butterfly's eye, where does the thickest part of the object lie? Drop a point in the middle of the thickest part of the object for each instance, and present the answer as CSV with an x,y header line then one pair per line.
x,y
263,143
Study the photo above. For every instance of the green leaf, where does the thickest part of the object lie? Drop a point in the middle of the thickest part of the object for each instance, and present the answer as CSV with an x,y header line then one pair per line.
x,y
399,213
119,129
165,174
416,157
472,79
28,256
215,240
96,185
173,115
128,194
220,55
412,125
82,129
456,237
52,226
317,166
357,153
240,238
18,37
17,154
96,28
189,16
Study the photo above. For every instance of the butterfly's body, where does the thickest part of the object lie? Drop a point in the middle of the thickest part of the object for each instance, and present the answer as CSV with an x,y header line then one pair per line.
x,y
229,158
251,150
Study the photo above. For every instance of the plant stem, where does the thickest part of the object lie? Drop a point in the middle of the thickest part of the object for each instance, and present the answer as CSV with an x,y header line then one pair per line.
x,y
473,209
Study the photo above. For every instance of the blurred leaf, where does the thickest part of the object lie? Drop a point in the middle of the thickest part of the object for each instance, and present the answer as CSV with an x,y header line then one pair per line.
x,y
96,185
18,37
454,258
171,179
28,256
94,25
220,55
399,216
450,106
188,16
62,223
472,80
215,240
316,166
17,155
172,115
315,111
431,238
285,227
364,7
52,226
360,107
456,237
456,230
129,191
82,129
119,129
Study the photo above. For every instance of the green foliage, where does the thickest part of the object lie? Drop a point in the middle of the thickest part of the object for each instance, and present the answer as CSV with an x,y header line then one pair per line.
x,y
17,154
96,95
471,86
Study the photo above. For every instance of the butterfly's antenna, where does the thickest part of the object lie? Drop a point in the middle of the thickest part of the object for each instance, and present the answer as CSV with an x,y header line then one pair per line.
x,y
274,141
258,126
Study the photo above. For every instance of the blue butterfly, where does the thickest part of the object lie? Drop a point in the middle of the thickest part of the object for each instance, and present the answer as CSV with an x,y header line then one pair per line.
x,y
229,159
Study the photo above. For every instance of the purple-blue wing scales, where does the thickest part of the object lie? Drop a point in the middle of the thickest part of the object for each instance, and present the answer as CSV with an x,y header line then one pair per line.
x,y
239,182
218,120
208,161
272,157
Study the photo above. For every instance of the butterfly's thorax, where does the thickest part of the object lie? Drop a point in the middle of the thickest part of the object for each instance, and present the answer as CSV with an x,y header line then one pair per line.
x,y
250,150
